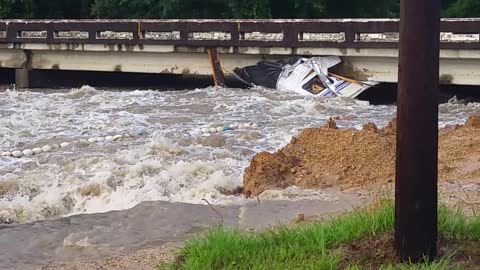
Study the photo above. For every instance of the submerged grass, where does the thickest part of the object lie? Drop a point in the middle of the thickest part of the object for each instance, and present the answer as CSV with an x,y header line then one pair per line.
x,y
311,246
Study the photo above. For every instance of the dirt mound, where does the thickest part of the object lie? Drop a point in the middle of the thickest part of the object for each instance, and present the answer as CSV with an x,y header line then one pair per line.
x,y
473,121
325,157
347,158
276,171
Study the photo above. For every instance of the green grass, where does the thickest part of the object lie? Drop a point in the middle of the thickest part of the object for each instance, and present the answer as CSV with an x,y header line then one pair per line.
x,y
310,246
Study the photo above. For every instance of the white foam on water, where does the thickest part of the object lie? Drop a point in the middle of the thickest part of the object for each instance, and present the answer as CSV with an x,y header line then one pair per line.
x,y
168,161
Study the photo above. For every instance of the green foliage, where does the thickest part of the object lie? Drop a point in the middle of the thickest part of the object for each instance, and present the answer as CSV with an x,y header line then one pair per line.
x,y
299,9
251,9
254,9
309,246
165,9
62,9
16,9
258,9
312,246
118,9
363,9
463,8
51,9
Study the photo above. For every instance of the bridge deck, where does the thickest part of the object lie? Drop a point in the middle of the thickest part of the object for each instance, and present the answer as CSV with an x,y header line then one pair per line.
x,y
368,47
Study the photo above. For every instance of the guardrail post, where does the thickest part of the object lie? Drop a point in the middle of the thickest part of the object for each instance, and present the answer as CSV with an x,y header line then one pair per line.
x,y
290,35
417,130
10,33
350,33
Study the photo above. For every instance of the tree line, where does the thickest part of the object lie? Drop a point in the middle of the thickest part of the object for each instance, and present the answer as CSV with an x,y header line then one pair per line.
x,y
202,9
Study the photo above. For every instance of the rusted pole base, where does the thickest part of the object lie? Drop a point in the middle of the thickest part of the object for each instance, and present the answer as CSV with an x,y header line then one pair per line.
x,y
217,71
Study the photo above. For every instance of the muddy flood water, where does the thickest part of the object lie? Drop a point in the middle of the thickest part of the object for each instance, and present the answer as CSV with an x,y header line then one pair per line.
x,y
145,153
164,156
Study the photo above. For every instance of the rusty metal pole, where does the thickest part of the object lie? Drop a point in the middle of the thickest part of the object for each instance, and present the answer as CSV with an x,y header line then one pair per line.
x,y
417,130
217,71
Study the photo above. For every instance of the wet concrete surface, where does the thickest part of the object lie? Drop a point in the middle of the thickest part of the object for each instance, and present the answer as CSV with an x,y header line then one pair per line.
x,y
148,225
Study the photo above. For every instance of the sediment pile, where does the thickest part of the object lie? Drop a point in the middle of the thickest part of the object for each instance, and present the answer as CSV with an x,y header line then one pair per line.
x,y
349,158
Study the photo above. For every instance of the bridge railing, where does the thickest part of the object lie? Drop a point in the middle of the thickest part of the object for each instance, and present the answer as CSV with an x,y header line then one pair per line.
x,y
342,33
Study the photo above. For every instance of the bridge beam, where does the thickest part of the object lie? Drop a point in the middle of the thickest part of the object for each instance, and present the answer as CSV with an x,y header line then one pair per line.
x,y
461,67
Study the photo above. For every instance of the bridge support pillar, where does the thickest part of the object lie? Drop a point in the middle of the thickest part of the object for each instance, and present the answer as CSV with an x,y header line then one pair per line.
x,y
23,78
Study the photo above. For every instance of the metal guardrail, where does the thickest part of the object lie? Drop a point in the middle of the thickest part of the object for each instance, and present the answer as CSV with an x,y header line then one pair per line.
x,y
343,33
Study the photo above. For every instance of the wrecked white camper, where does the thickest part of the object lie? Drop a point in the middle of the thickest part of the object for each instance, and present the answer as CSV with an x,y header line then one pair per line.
x,y
305,76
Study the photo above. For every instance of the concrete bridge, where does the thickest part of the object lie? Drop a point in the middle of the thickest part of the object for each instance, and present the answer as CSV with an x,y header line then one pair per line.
x,y
368,48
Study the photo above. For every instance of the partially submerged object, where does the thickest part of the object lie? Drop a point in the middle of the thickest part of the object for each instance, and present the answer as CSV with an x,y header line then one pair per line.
x,y
306,76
